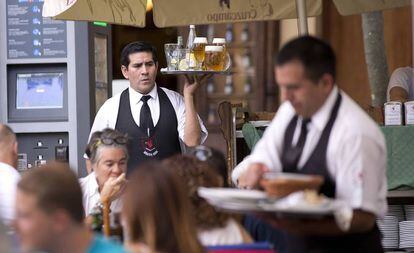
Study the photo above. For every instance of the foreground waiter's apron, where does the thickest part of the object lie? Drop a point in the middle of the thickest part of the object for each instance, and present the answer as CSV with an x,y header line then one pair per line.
x,y
162,141
362,242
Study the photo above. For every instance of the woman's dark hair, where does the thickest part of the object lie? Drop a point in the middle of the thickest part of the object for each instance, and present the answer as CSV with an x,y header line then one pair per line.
x,y
194,174
157,211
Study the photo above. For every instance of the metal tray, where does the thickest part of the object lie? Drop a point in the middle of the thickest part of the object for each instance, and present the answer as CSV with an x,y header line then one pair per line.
x,y
194,72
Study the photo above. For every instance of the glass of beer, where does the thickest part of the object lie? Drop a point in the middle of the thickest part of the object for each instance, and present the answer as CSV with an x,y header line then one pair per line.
x,y
199,45
226,55
214,59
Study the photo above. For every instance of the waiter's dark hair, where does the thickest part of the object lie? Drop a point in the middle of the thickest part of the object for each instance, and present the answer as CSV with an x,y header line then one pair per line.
x,y
136,47
316,56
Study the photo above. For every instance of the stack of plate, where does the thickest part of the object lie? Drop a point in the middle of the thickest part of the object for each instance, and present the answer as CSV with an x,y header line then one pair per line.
x,y
407,235
397,211
409,212
389,229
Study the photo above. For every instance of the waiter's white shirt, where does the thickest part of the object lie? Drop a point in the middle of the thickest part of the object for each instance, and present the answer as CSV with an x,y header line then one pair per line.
x,y
108,113
91,196
9,177
356,152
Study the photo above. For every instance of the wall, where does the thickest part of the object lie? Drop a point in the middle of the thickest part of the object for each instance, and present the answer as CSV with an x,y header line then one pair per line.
x,y
345,35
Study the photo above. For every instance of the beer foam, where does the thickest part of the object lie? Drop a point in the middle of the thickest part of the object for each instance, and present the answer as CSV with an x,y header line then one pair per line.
x,y
214,48
200,40
219,41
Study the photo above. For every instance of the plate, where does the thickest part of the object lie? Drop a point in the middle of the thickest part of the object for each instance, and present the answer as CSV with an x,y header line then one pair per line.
x,y
229,194
260,123
165,71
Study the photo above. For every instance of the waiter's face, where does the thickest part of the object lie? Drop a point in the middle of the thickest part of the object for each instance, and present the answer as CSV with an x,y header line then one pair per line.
x,y
112,162
141,72
305,95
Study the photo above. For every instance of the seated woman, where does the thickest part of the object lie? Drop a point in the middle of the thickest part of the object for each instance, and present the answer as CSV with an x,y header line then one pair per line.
x,y
156,213
108,157
214,228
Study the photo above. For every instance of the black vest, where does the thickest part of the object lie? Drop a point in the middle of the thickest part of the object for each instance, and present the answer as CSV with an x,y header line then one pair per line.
x,y
163,140
317,164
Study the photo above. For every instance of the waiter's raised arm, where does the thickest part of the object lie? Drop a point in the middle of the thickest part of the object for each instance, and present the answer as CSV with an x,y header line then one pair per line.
x,y
192,129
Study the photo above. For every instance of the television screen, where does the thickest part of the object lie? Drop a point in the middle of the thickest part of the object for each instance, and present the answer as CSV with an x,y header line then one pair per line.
x,y
39,90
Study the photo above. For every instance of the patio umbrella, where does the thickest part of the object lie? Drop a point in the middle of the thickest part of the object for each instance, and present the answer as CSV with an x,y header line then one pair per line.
x,y
169,13
349,7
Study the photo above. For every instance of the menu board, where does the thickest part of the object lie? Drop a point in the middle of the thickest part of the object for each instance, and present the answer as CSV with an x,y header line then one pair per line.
x,y
29,35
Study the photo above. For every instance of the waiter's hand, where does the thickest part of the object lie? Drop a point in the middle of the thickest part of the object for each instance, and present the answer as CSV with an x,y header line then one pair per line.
x,y
113,188
251,177
192,82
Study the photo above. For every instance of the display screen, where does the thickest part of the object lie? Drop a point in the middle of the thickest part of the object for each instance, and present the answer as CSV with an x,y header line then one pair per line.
x,y
39,90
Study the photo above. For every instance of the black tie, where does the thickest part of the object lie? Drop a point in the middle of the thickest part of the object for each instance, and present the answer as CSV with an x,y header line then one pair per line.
x,y
145,119
303,133
297,150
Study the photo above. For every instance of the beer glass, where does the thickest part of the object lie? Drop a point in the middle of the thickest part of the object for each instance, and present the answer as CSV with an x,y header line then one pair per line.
x,y
199,45
214,59
226,55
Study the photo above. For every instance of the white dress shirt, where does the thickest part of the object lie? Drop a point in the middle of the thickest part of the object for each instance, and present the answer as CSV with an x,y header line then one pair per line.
x,y
356,152
108,113
9,177
91,196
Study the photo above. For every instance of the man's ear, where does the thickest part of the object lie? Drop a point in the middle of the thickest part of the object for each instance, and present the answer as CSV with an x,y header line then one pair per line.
x,y
61,220
124,71
327,81
15,148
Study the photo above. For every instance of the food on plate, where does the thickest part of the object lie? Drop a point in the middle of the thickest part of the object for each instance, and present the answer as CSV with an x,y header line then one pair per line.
x,y
282,184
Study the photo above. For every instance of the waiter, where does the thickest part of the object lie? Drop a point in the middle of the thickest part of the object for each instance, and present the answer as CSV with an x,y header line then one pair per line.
x,y
319,129
158,121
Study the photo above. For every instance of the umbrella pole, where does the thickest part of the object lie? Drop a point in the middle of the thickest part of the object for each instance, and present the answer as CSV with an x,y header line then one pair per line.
x,y
302,17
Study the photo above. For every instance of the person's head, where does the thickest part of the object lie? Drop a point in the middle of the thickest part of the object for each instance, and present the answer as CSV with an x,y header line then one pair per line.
x,y
214,157
157,211
194,174
108,154
305,71
139,65
48,206
8,146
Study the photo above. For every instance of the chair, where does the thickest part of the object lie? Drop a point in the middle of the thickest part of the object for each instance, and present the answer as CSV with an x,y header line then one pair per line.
x,y
258,247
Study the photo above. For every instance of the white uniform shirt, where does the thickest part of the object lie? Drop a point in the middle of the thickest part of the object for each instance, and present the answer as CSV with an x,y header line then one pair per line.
x,y
356,152
404,78
91,196
9,177
108,113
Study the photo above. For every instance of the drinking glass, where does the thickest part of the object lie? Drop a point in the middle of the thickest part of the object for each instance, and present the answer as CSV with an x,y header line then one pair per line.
x,y
171,55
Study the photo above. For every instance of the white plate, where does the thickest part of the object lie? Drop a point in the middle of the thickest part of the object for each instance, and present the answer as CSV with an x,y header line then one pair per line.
x,y
292,176
220,194
260,123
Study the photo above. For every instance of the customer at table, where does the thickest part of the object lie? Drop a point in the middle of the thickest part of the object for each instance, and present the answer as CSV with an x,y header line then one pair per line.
x,y
49,214
213,227
8,173
401,85
159,121
319,129
108,156
157,213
